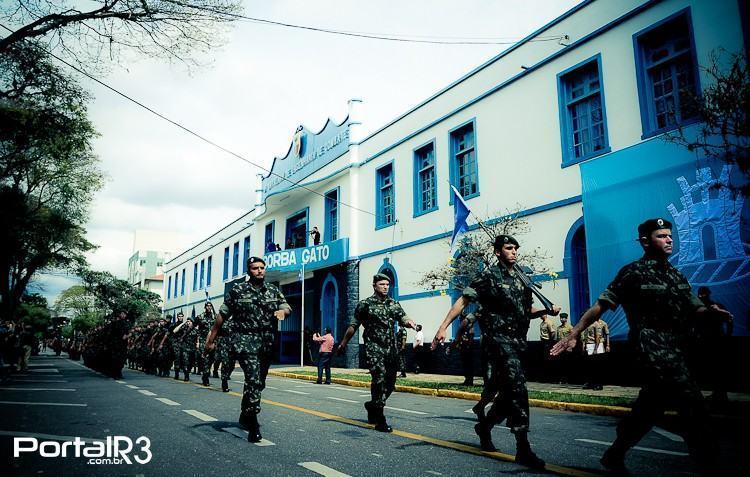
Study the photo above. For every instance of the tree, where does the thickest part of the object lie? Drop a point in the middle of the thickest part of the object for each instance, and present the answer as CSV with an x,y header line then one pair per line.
x,y
48,172
33,312
163,28
81,306
475,253
112,296
723,109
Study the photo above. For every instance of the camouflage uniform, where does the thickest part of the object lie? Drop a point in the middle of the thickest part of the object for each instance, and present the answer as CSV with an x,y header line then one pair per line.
x,y
208,358
175,342
401,339
381,347
190,346
504,322
660,308
250,310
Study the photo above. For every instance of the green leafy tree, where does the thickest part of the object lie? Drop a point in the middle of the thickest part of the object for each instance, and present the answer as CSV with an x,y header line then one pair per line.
x,y
33,312
113,295
48,172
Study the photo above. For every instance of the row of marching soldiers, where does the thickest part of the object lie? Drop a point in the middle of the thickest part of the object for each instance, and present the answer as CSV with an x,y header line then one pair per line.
x,y
166,344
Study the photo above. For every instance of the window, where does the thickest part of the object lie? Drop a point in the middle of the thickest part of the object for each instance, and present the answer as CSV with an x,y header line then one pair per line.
x,y
203,273
208,271
331,230
175,284
296,230
386,197
225,274
269,237
582,118
464,171
169,287
182,286
195,276
236,259
246,251
425,184
667,74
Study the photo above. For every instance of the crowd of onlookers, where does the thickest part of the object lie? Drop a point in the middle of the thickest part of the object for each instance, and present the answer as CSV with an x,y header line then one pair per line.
x,y
17,344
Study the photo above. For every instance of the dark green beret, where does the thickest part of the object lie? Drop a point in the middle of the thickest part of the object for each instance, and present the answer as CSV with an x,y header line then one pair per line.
x,y
380,277
501,240
645,229
563,315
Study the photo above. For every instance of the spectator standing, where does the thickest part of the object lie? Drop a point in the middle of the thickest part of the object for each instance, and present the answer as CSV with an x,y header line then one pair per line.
x,y
315,235
324,357
713,329
26,340
596,345
418,350
563,360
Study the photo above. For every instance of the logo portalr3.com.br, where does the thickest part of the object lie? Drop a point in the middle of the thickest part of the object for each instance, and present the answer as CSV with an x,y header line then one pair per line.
x,y
112,450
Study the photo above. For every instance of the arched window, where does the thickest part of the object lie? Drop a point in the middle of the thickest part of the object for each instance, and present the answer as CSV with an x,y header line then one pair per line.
x,y
329,305
387,269
576,269
708,238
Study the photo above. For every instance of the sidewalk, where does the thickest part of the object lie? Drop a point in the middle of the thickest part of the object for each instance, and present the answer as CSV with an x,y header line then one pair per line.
x,y
611,401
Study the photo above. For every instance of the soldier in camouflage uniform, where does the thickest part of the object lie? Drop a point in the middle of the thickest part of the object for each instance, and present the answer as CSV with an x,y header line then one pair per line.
x,y
190,345
504,321
175,342
166,357
660,310
206,323
378,314
254,308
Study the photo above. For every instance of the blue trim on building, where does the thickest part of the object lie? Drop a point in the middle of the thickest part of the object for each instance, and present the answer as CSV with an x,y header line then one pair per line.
x,y
582,41
416,190
306,184
568,154
641,75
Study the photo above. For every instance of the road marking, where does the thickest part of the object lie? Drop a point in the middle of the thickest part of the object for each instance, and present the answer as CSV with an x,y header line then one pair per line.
x,y
304,385
646,449
36,389
42,365
200,415
296,392
342,399
669,435
376,454
39,380
53,370
321,469
146,393
121,382
335,441
267,387
131,386
365,395
44,403
561,470
347,389
433,472
406,410
168,402
236,431
51,437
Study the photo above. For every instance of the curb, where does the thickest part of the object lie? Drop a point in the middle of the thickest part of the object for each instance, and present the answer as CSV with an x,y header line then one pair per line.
x,y
597,409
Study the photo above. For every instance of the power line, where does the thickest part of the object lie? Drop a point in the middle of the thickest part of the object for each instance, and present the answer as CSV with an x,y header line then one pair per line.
x,y
199,136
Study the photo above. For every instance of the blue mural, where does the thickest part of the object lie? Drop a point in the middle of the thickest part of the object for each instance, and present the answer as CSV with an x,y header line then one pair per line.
x,y
711,221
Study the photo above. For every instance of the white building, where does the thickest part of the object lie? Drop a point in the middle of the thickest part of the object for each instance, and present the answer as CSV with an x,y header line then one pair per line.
x,y
571,132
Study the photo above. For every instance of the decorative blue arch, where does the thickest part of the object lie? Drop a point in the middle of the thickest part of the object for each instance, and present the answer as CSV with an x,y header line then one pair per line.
x,y
575,268
388,269
329,304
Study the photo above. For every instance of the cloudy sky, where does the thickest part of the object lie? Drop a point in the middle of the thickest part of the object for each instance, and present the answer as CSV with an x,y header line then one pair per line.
x,y
264,82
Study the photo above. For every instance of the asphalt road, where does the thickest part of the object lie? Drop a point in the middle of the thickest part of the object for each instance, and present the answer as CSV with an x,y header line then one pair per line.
x,y
309,429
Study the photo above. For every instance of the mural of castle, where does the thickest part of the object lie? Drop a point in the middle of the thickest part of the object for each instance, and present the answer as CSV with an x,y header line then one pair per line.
x,y
708,229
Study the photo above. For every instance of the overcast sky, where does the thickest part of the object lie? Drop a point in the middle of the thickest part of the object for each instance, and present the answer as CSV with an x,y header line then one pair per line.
x,y
264,82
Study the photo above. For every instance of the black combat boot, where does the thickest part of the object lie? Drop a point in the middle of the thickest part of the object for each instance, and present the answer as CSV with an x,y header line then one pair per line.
x,y
187,376
177,374
524,454
253,428
478,409
205,380
380,424
484,431
614,460
224,386
371,413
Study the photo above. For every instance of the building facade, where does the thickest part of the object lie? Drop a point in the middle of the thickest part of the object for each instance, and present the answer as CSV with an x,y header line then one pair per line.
x,y
572,132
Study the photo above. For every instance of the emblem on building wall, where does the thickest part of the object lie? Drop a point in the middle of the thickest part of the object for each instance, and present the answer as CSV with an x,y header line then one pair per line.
x,y
298,144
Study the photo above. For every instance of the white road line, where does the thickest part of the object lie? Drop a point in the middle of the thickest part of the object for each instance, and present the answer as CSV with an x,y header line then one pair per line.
x,y
168,402
236,431
669,435
146,393
51,437
36,389
200,415
46,365
321,469
365,395
304,385
52,370
296,392
406,410
120,382
335,441
346,389
39,380
131,386
267,387
44,403
645,449
342,399
376,454
433,472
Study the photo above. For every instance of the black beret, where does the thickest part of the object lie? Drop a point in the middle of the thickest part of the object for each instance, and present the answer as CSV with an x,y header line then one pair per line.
x,y
645,229
380,277
563,315
501,240
252,260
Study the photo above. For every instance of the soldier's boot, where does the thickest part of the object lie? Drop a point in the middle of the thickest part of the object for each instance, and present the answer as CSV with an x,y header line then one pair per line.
x,y
177,374
478,409
614,460
371,413
253,428
205,380
484,431
187,376
380,424
224,386
216,373
524,454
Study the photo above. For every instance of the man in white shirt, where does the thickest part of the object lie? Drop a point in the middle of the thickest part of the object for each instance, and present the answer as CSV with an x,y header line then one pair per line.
x,y
418,349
